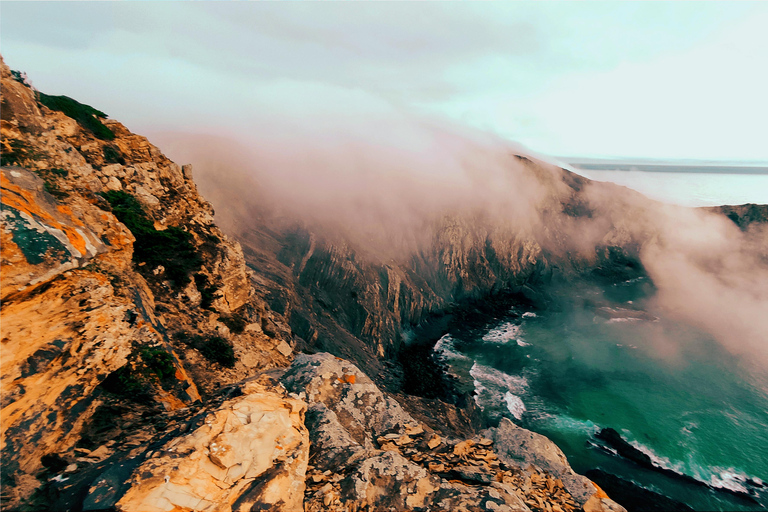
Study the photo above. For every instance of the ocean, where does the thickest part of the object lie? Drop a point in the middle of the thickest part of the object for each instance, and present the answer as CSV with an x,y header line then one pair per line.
x,y
667,388
686,184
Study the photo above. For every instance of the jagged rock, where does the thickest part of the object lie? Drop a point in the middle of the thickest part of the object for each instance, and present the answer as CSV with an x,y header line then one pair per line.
x,y
42,239
78,311
251,453
330,440
361,408
389,481
518,446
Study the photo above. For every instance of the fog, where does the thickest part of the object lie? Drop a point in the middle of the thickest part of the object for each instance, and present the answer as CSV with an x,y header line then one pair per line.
x,y
381,184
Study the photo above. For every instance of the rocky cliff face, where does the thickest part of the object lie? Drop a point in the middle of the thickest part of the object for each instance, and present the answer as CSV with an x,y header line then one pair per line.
x,y
96,313
142,369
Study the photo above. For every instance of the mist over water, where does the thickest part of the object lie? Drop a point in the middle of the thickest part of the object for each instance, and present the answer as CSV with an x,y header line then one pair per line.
x,y
381,185
694,408
690,188
690,387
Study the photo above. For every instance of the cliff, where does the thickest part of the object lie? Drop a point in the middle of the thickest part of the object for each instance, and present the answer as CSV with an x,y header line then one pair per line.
x,y
143,370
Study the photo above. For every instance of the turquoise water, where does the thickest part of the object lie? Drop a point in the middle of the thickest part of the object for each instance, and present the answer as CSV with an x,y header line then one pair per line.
x,y
666,387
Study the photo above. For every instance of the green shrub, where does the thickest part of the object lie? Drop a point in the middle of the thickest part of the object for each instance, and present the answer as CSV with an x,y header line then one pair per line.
x,y
126,383
87,116
171,248
218,350
112,155
159,362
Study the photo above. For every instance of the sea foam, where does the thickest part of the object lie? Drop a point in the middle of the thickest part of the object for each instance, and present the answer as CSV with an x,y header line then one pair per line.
x,y
502,334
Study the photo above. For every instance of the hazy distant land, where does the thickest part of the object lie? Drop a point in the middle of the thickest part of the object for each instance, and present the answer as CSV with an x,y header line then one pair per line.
x,y
650,165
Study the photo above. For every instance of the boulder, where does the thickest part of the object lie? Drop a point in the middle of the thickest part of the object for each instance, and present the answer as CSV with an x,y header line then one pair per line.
x,y
249,454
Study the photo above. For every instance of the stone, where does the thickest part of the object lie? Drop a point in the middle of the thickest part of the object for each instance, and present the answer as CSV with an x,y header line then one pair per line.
x,y
361,408
228,463
113,184
462,448
434,442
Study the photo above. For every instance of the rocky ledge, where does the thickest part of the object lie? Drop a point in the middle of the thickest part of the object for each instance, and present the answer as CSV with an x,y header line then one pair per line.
x,y
321,436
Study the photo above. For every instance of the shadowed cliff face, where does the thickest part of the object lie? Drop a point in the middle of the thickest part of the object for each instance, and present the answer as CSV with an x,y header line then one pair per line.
x,y
378,229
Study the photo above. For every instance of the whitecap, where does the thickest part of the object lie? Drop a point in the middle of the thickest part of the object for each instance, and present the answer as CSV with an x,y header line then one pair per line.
x,y
502,334
498,379
445,349
660,461
521,343
729,479
529,314
563,422
622,320
515,405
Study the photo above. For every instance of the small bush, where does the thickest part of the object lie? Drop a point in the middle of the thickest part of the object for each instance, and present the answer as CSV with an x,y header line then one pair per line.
x,y
112,155
207,291
87,116
159,362
52,188
218,350
21,77
15,152
53,462
171,248
126,383
236,322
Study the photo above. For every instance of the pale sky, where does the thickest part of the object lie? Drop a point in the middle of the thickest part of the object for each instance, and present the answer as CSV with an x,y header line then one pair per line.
x,y
645,79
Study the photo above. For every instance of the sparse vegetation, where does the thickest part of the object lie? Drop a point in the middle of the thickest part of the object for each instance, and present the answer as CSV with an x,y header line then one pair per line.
x,y
87,116
207,290
158,362
21,77
213,348
52,188
172,248
236,322
218,350
127,383
112,155
16,152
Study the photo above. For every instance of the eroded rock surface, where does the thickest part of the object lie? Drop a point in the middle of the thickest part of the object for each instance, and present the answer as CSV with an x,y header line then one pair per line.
x,y
96,341
367,452
249,454
517,445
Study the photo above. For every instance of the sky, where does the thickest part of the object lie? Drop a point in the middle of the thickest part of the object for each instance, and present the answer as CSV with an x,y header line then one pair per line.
x,y
593,79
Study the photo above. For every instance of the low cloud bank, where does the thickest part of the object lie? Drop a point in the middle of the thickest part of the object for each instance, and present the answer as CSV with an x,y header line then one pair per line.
x,y
380,182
